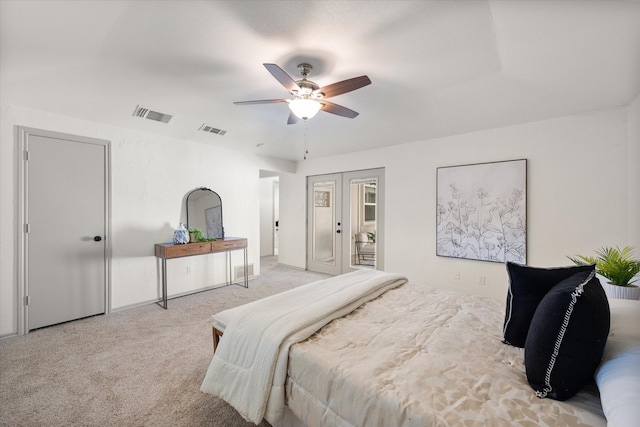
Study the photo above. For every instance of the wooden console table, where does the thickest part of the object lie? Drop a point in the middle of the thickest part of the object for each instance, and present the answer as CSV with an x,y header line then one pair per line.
x,y
166,251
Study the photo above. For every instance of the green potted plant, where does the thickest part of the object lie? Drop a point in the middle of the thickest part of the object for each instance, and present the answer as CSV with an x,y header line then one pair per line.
x,y
195,235
619,268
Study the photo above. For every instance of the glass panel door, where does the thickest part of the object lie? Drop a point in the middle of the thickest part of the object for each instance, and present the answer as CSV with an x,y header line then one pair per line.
x,y
363,222
324,216
324,208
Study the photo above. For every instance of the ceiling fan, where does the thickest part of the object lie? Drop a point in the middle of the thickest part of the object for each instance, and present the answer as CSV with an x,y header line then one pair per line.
x,y
308,97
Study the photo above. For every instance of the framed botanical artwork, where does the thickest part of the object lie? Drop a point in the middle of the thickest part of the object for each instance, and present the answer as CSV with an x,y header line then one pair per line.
x,y
482,211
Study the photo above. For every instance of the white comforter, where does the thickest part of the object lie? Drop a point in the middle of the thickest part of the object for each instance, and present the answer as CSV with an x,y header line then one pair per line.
x,y
249,367
418,357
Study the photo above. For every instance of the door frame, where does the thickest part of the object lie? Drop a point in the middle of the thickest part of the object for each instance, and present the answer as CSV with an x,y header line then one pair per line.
x,y
22,134
343,187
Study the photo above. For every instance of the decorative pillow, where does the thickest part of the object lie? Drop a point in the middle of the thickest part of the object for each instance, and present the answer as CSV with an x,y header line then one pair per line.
x,y
527,287
618,380
567,336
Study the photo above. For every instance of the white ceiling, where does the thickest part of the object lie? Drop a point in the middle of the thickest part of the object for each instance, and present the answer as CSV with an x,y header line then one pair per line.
x,y
438,68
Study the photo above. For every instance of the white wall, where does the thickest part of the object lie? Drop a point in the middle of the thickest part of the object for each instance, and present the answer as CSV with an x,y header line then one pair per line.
x,y
634,174
150,176
578,195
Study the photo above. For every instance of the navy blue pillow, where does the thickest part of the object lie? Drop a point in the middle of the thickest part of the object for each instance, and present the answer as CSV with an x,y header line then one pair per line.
x,y
567,336
527,287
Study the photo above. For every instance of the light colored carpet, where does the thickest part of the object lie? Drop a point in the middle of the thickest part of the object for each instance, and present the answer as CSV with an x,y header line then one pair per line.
x,y
137,367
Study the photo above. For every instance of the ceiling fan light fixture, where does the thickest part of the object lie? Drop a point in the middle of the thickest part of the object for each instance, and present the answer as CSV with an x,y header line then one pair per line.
x,y
304,108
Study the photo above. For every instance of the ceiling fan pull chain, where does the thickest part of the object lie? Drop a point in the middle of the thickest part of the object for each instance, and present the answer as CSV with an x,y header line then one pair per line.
x,y
306,139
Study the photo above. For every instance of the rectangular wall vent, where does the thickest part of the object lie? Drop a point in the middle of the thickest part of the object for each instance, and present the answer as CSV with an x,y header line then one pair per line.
x,y
145,113
211,129
238,271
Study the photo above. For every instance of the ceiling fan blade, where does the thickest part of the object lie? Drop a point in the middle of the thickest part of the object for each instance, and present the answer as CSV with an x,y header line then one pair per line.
x,y
281,76
338,110
293,119
344,86
261,101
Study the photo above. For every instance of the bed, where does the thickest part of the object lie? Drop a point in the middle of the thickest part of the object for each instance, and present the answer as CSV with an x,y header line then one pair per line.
x,y
399,355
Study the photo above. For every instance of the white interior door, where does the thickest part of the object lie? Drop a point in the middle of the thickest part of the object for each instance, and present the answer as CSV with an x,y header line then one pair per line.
x,y
324,225
65,250
339,206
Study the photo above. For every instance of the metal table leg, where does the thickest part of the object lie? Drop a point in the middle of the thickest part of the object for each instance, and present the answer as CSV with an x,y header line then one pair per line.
x,y
164,283
246,268
229,277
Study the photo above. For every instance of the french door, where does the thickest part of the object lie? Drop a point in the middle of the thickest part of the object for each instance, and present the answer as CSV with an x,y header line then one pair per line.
x,y
345,224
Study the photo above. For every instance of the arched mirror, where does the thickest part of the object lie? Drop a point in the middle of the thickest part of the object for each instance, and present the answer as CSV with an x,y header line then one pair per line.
x,y
204,212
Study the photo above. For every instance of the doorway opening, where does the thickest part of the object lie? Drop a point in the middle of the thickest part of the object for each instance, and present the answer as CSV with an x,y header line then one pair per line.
x,y
269,214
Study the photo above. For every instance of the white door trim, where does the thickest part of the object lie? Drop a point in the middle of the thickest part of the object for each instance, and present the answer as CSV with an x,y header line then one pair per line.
x,y
21,135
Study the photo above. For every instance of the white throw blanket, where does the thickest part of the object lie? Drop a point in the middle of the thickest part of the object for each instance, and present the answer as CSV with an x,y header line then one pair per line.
x,y
249,367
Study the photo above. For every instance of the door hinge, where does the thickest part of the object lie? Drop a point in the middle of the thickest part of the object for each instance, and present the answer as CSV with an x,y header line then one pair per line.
x,y
27,229
26,155
26,300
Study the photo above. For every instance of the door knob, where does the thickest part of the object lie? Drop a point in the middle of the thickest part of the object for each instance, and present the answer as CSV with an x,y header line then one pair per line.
x,y
97,238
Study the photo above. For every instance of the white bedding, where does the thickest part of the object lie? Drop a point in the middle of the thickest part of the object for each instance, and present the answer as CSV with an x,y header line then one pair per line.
x,y
413,357
421,357
248,369
618,376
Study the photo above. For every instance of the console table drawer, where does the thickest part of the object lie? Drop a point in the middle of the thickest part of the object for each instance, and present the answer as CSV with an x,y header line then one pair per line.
x,y
226,245
169,250
188,249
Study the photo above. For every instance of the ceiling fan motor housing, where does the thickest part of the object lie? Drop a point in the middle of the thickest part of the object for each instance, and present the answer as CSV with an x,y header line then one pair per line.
x,y
307,87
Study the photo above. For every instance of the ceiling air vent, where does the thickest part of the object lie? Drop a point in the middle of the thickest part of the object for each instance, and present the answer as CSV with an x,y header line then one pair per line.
x,y
145,113
211,129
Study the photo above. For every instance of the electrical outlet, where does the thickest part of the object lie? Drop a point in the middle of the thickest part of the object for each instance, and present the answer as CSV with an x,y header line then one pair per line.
x,y
482,280
188,270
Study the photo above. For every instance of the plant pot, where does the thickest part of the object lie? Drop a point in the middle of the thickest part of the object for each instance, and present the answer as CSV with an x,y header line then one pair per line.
x,y
621,292
193,238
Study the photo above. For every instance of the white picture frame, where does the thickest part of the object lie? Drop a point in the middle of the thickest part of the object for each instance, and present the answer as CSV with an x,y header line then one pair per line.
x,y
481,211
